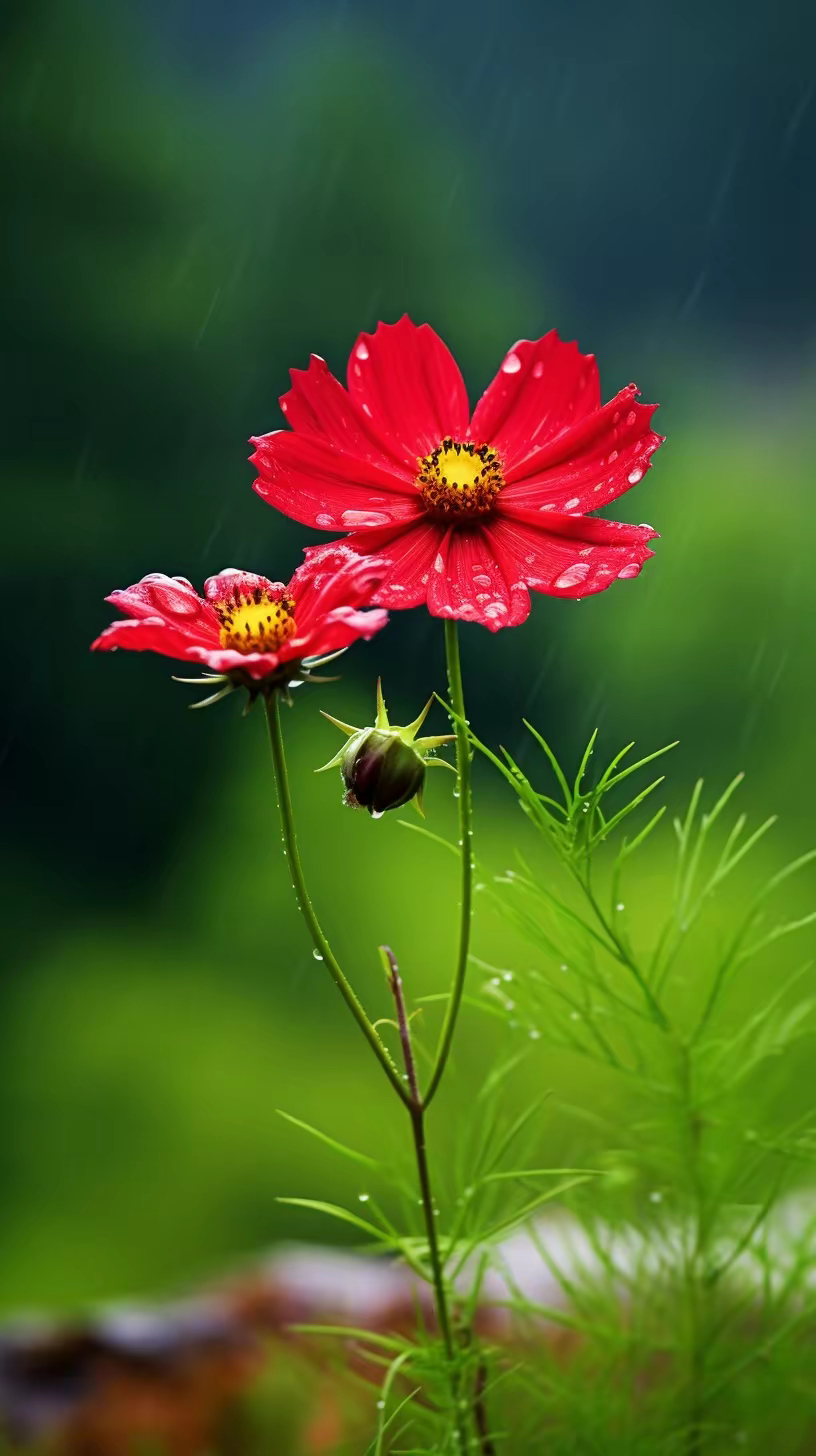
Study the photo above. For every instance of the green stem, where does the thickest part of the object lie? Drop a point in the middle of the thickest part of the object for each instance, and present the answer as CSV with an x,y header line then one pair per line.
x,y
321,944
416,1110
463,777
694,1259
420,1148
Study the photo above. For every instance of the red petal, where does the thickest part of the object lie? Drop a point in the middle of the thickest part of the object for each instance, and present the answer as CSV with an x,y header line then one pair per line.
x,y
541,389
257,665
317,404
338,629
581,556
221,588
468,582
590,464
315,483
408,384
171,599
333,576
409,553
146,634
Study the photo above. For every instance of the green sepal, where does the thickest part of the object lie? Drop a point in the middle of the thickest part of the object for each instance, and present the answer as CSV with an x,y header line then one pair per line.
x,y
346,728
439,763
381,720
216,698
333,762
409,733
427,743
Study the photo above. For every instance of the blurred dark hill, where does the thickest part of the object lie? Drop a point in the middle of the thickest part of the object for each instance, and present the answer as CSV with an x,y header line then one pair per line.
x,y
657,160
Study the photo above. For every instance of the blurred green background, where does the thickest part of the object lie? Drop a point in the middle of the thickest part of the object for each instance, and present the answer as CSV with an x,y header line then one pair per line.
x,y
195,198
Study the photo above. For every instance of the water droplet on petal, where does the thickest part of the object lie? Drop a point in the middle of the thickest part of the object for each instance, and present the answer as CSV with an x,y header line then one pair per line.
x,y
635,475
327,522
439,562
512,363
573,576
538,369
362,350
364,518
632,569
571,504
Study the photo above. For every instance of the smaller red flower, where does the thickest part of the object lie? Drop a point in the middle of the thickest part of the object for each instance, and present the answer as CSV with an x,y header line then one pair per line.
x,y
246,627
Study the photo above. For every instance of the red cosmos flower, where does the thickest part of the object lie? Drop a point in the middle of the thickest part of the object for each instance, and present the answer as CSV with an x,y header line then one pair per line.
x,y
471,511
246,627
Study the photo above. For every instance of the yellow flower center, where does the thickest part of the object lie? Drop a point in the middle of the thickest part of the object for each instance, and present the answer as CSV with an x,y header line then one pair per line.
x,y
255,622
459,479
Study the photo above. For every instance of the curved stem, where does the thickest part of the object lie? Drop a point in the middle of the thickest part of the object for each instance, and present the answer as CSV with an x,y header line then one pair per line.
x,y
463,777
321,944
416,1110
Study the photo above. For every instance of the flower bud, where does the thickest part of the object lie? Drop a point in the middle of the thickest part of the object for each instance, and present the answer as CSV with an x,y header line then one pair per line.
x,y
384,767
381,771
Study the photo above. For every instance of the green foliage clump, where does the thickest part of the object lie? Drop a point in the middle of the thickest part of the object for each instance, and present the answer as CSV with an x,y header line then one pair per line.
x,y
666,1307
